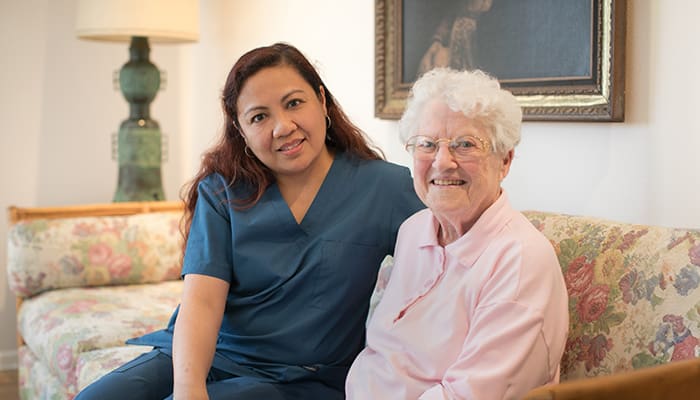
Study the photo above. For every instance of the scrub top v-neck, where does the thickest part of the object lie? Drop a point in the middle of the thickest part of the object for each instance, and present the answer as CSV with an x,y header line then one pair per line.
x,y
299,292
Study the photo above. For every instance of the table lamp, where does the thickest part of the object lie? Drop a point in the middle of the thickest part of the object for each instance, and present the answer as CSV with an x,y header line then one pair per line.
x,y
139,140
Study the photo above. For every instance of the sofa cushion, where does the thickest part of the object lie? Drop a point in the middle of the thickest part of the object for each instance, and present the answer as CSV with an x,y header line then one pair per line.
x,y
59,325
46,254
634,295
36,380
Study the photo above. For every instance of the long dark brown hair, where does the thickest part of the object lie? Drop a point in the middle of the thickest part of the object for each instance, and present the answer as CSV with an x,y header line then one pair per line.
x,y
228,158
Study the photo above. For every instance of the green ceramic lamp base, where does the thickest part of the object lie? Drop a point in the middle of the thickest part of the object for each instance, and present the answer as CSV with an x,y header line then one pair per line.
x,y
139,144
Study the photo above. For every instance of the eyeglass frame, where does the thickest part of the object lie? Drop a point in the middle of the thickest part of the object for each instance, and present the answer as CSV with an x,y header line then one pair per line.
x,y
411,147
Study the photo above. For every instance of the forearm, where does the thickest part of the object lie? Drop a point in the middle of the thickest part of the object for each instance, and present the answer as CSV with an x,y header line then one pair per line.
x,y
193,351
194,340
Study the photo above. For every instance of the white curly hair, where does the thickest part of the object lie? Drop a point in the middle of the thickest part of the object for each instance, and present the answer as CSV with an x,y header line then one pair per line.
x,y
475,94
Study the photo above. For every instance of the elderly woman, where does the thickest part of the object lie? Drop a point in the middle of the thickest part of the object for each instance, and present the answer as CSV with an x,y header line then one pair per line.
x,y
476,306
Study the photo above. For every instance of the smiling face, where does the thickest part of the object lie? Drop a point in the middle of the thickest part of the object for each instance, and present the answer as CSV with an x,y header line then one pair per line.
x,y
283,122
457,191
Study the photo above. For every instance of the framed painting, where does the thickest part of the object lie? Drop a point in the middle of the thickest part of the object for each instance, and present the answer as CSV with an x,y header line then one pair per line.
x,y
564,60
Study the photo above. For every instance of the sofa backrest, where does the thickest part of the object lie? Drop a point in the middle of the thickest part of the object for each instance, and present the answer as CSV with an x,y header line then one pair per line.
x,y
634,295
107,245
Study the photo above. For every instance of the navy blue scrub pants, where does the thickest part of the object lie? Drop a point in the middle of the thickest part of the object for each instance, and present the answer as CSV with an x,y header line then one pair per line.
x,y
150,377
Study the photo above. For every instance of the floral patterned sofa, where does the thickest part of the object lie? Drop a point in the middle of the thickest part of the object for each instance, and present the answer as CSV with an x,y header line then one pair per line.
x,y
634,309
88,278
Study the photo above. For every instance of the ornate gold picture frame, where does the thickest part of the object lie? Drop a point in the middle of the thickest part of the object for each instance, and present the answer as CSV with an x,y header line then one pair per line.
x,y
564,60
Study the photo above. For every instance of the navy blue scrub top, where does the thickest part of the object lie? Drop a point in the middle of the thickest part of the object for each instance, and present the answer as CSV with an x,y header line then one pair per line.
x,y
299,292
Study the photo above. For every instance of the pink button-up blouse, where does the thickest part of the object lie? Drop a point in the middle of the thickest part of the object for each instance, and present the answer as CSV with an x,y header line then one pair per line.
x,y
484,317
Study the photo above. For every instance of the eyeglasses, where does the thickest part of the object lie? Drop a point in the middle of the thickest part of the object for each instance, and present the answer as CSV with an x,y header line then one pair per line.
x,y
461,148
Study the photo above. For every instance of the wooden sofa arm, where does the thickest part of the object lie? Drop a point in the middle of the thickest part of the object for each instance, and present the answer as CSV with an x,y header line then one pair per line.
x,y
16,214
675,380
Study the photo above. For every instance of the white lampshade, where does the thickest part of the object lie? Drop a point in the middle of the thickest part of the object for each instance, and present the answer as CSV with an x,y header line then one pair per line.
x,y
167,21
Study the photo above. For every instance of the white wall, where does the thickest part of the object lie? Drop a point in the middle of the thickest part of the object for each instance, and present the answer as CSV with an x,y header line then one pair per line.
x,y
58,111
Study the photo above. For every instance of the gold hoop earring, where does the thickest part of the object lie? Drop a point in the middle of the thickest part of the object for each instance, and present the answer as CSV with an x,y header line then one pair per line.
x,y
247,152
328,122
